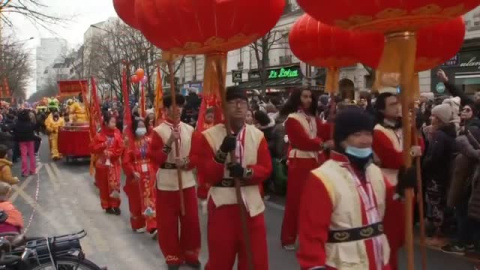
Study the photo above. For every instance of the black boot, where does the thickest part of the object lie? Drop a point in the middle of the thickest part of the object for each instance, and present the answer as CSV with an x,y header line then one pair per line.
x,y
117,211
173,267
110,211
194,265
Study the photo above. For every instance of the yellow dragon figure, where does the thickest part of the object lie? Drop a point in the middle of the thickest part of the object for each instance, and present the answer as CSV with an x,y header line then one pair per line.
x,y
78,113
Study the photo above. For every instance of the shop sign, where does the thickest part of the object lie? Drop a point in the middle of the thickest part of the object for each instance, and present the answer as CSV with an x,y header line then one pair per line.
x,y
277,73
472,62
288,72
236,76
440,87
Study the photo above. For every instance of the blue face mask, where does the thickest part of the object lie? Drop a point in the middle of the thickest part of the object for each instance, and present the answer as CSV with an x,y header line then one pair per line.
x,y
359,152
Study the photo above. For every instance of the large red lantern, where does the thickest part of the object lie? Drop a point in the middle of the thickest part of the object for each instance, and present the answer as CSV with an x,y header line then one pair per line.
x,y
126,11
386,15
200,27
322,45
435,44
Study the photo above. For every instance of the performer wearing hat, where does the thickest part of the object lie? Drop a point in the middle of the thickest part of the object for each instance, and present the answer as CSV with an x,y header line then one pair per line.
x,y
252,165
388,148
184,247
344,202
307,136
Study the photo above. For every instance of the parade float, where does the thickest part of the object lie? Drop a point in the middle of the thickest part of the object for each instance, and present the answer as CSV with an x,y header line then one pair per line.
x,y
75,135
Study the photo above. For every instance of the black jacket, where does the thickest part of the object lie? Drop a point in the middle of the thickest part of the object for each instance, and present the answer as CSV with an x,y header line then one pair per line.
x,y
440,154
24,131
464,98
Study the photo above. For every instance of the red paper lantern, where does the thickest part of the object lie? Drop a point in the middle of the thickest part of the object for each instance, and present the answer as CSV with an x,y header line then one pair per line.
x,y
322,45
319,44
199,27
386,15
126,11
435,44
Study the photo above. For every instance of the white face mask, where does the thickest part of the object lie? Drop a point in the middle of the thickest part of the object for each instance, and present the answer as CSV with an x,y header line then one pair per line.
x,y
140,132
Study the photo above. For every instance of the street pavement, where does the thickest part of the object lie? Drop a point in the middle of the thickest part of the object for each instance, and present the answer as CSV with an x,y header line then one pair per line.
x,y
67,202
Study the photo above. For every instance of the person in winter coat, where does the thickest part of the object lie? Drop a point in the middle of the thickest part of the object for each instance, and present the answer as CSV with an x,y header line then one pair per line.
x,y
465,99
24,133
460,191
437,164
6,168
468,118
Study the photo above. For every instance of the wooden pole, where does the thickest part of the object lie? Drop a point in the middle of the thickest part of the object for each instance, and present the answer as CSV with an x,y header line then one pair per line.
x,y
238,192
171,70
420,195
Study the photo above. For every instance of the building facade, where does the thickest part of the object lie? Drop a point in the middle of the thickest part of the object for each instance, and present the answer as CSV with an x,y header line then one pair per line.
x,y
50,52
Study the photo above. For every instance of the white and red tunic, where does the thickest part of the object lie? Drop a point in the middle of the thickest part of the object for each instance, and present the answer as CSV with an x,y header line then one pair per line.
x,y
339,197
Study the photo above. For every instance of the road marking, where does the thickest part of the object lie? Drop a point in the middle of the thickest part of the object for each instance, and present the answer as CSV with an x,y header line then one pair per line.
x,y
92,230
52,178
25,183
39,208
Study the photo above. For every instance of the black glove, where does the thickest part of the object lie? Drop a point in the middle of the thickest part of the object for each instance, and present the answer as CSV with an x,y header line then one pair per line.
x,y
407,178
236,170
229,144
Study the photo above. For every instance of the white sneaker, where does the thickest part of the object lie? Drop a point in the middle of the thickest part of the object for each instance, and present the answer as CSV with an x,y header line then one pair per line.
x,y
290,247
141,230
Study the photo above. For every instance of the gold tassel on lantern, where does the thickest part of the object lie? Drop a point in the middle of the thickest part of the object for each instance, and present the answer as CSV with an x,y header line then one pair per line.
x,y
331,82
397,69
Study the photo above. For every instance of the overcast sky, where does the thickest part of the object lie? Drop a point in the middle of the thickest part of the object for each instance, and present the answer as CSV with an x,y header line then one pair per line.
x,y
81,13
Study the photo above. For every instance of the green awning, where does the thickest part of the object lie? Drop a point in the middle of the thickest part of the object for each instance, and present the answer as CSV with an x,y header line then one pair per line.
x,y
467,79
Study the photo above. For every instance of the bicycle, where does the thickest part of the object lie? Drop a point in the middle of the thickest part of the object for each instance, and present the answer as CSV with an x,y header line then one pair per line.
x,y
49,253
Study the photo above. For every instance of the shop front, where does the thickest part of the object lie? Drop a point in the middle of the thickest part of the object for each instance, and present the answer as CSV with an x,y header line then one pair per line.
x,y
278,78
463,70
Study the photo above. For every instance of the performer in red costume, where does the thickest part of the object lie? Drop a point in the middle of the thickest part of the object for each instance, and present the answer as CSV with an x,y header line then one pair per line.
x,y
252,165
388,148
306,135
108,147
183,247
345,200
132,189
138,164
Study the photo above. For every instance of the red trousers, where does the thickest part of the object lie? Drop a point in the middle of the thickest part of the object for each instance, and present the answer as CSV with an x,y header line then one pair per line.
x,y
298,171
225,239
176,247
394,226
106,185
132,189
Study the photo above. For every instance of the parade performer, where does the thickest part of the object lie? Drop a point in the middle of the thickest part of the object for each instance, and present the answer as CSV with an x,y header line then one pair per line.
x,y
350,195
252,165
388,149
132,190
183,247
108,147
139,165
78,113
53,106
307,136
53,127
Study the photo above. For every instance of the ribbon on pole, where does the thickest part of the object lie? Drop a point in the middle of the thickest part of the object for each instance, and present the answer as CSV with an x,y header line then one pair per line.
x,y
158,98
143,104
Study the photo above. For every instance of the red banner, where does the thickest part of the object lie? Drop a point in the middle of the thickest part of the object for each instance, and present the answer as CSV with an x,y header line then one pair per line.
x,y
6,88
71,88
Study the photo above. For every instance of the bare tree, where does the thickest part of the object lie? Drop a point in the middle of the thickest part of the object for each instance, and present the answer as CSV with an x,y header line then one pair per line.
x,y
262,48
15,66
34,11
118,44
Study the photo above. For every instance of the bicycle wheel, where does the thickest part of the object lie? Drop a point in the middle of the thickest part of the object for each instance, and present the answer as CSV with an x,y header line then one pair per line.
x,y
70,263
